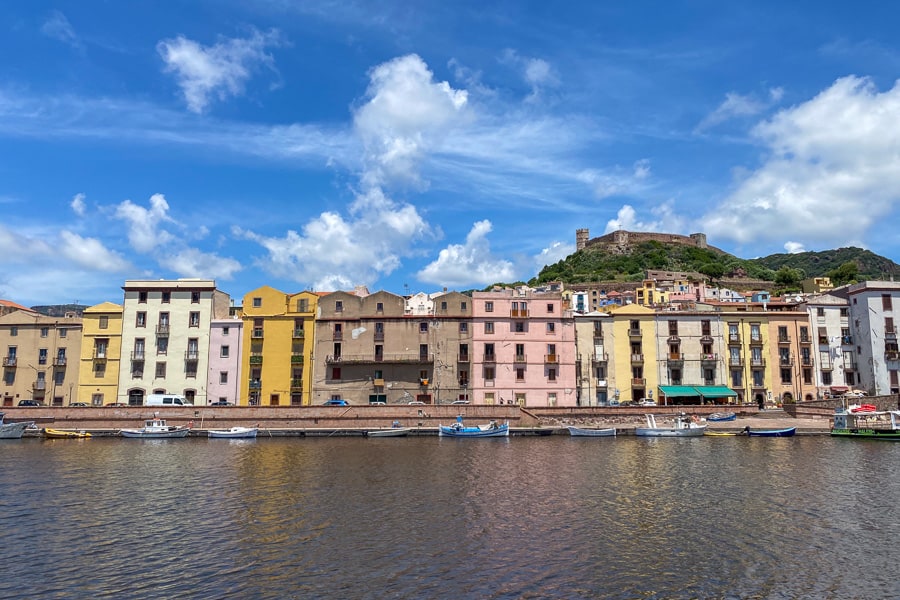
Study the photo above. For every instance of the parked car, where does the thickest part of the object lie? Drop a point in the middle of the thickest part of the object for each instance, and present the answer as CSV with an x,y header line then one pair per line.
x,y
416,403
460,402
29,403
336,402
79,404
221,403
646,403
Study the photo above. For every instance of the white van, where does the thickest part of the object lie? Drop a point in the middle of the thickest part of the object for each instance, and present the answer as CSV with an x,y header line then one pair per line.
x,y
166,400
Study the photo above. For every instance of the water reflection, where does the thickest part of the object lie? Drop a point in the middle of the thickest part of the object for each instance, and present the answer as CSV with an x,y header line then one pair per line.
x,y
408,517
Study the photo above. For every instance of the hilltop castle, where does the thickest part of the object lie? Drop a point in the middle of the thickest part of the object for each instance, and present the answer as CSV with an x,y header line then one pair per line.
x,y
618,242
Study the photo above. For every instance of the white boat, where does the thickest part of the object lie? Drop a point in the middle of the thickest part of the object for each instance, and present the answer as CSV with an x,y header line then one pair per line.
x,y
12,431
155,429
458,429
389,432
590,432
683,426
233,433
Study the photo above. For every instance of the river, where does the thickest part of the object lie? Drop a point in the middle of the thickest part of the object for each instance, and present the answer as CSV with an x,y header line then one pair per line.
x,y
428,517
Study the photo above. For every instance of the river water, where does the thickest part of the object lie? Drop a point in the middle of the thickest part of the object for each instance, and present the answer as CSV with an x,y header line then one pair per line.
x,y
427,517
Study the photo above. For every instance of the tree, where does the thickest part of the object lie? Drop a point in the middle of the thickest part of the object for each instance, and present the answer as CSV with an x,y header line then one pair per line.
x,y
788,278
846,273
712,270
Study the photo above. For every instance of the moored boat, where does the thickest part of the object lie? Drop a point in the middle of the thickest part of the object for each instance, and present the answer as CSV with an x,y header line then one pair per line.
x,y
786,432
389,432
591,432
458,429
12,431
62,434
233,432
870,425
683,426
156,429
721,416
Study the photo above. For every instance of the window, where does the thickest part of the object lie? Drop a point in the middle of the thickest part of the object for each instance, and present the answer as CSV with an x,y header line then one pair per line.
x,y
463,327
141,319
520,374
676,376
785,375
488,306
886,302
195,297
138,349
423,351
489,327
549,308
59,377
257,302
463,306
223,377
63,332
99,369
45,331
166,297
444,305
162,345
736,379
42,356
338,306
820,312
224,351
826,377
9,376
13,331
225,330
551,374
519,327
551,327
807,376
489,373
673,328
160,370
195,319
845,312
104,322
335,373
193,351
142,297
423,327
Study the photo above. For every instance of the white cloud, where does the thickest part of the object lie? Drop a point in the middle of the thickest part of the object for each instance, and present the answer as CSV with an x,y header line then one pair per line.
x,y
736,105
191,262
405,113
91,254
794,247
471,263
664,219
552,254
58,27
833,170
536,72
221,70
144,224
77,204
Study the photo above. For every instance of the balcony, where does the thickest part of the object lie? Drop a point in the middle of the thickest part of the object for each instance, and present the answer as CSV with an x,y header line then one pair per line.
x,y
675,358
194,355
805,339
601,357
489,358
296,384
256,359
635,332
379,336
890,334
806,361
519,358
637,358
758,385
756,340
602,383
255,384
891,355
734,338
59,361
638,382
463,358
786,361
709,382
708,358
850,366
137,356
828,367
298,334
823,340
296,359
99,355
786,339
847,340
598,334
674,339
39,385
10,361
364,359
551,358
518,313
757,362
257,333
735,361
162,330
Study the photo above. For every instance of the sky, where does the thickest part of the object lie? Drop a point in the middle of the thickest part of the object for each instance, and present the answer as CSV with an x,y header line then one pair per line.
x,y
416,146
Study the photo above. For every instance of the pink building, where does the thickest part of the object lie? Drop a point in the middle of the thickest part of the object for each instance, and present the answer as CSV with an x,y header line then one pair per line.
x,y
523,349
224,378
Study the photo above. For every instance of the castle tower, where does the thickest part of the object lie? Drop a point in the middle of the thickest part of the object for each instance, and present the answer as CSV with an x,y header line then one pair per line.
x,y
699,240
581,238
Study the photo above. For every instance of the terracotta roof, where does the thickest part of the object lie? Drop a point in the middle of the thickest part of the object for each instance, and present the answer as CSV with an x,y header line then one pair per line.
x,y
11,304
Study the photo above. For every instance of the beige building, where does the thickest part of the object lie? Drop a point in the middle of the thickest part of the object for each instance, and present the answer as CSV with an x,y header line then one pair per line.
x,y
165,337
37,351
594,375
101,351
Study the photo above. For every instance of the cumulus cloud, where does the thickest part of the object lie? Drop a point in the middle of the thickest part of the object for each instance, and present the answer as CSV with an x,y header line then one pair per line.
x,y
58,27
191,262
220,70
664,218
554,253
144,224
471,263
78,205
90,253
831,157
405,112
794,247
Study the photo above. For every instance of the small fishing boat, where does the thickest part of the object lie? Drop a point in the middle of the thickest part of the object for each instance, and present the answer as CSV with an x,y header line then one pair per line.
x,y
786,432
869,425
683,426
721,416
591,432
13,431
64,434
156,429
720,433
389,432
458,429
233,433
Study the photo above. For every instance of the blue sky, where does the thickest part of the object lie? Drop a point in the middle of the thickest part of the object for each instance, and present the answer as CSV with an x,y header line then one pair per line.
x,y
421,145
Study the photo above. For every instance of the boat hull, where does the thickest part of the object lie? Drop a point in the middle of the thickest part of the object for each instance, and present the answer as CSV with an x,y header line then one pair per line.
x,y
59,434
721,417
392,432
669,432
12,431
473,432
588,432
233,433
155,435
867,434
789,432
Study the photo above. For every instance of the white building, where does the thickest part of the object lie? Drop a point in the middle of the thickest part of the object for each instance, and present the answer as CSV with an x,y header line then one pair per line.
x,y
165,337
874,315
831,345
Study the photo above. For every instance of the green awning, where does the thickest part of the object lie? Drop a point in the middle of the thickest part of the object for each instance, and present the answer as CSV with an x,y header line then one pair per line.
x,y
715,391
679,391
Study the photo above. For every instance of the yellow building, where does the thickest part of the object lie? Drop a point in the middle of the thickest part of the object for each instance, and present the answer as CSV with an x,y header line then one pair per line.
x,y
101,350
278,343
747,342
634,355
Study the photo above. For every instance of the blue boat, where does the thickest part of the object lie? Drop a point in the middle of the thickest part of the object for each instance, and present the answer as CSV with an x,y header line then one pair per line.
x,y
721,416
788,432
458,429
